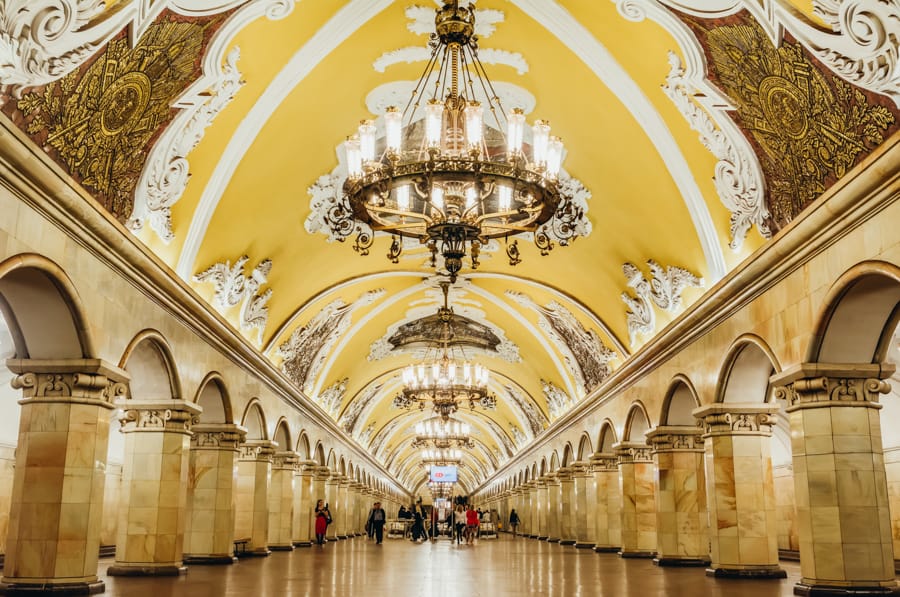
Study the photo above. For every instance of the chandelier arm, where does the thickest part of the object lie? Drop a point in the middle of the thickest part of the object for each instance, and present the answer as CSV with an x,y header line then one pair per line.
x,y
492,96
419,89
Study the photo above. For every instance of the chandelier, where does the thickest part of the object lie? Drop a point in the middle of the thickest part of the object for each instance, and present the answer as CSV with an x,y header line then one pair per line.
x,y
454,173
441,456
441,433
440,489
444,380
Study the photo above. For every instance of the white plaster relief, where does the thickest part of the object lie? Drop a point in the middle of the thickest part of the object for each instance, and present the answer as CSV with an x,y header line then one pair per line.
x,y
44,40
233,286
166,172
664,289
558,402
330,398
357,410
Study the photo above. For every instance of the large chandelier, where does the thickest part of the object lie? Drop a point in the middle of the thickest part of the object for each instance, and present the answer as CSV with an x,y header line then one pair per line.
x,y
439,433
444,380
454,173
441,456
440,489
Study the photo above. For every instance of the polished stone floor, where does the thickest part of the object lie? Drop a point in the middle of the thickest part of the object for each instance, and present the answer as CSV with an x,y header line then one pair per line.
x,y
399,568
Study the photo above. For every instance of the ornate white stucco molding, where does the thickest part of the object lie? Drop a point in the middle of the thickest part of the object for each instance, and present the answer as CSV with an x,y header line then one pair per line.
x,y
664,289
44,40
233,286
330,398
558,402
738,176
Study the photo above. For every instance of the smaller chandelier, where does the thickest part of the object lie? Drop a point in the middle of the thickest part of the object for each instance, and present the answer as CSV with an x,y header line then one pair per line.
x,y
441,456
441,433
450,171
440,489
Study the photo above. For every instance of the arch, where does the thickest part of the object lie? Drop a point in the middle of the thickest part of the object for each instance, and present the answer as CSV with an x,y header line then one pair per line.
x,y
151,367
319,454
637,422
607,437
282,435
567,458
744,377
342,466
303,446
212,396
585,449
543,469
860,312
680,401
43,310
554,461
254,420
331,461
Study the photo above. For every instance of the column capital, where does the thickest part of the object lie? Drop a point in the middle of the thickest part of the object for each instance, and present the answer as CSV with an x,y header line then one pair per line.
x,y
601,462
217,436
675,438
816,385
257,449
287,459
87,381
565,473
581,468
323,473
551,478
631,452
724,418
307,468
173,416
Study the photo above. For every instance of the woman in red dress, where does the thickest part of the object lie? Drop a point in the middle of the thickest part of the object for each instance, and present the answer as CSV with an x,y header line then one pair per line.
x,y
471,524
323,518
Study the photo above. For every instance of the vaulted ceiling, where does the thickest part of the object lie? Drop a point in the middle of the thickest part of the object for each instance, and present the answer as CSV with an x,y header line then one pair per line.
x,y
683,125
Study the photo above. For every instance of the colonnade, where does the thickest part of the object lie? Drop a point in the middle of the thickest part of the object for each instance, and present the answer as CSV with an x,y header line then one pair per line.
x,y
704,495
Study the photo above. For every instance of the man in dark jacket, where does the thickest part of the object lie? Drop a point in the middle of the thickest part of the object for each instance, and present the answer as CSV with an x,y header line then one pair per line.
x,y
376,522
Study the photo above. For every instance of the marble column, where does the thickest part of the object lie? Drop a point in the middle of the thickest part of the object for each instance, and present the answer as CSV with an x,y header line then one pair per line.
x,y
608,516
56,509
303,503
281,501
346,498
153,502
740,491
531,514
542,497
566,506
323,473
209,528
681,519
585,508
636,474
333,499
839,477
553,505
251,520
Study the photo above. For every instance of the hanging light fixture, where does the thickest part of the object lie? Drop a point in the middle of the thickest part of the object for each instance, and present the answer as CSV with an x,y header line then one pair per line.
x,y
443,379
453,172
441,456
440,433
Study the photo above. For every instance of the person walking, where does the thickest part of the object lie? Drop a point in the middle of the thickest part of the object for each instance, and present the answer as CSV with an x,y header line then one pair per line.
x,y
418,529
471,525
323,519
459,522
514,522
376,521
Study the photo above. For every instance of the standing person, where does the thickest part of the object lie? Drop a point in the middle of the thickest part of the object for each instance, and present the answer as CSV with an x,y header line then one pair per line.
x,y
376,521
514,522
471,525
459,522
418,529
323,519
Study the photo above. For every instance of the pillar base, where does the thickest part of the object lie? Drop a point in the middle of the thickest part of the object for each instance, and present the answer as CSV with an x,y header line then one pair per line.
x,y
210,560
76,588
761,572
551,539
684,562
256,553
584,545
302,543
567,541
637,554
540,538
146,570
281,547
829,591
606,549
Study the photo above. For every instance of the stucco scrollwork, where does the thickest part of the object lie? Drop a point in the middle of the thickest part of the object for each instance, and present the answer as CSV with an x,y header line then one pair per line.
x,y
233,286
664,288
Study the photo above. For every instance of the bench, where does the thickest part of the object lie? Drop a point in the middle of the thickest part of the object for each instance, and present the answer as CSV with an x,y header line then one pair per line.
x,y
240,547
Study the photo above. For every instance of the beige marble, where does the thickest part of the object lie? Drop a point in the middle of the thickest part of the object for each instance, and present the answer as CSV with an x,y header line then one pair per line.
x,y
7,472
636,479
56,506
542,505
281,500
566,506
251,520
554,507
786,510
892,470
212,479
608,517
333,499
534,510
681,519
303,503
585,505
319,493
839,474
740,489
150,535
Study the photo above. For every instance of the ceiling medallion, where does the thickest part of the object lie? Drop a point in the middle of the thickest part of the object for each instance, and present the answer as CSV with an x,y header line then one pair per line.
x,y
454,173
443,378
440,433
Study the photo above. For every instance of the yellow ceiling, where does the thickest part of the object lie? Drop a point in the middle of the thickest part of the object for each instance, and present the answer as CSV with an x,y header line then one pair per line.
x,y
637,211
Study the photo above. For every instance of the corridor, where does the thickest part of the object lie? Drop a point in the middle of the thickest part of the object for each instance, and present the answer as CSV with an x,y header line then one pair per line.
x,y
489,569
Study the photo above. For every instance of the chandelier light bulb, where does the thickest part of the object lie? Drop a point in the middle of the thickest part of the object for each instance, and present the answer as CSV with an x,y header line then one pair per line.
x,y
554,156
354,157
505,202
393,119
515,131
474,124
367,140
437,197
434,116
540,140
403,197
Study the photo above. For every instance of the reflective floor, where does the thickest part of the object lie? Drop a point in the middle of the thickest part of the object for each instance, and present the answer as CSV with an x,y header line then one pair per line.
x,y
399,568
